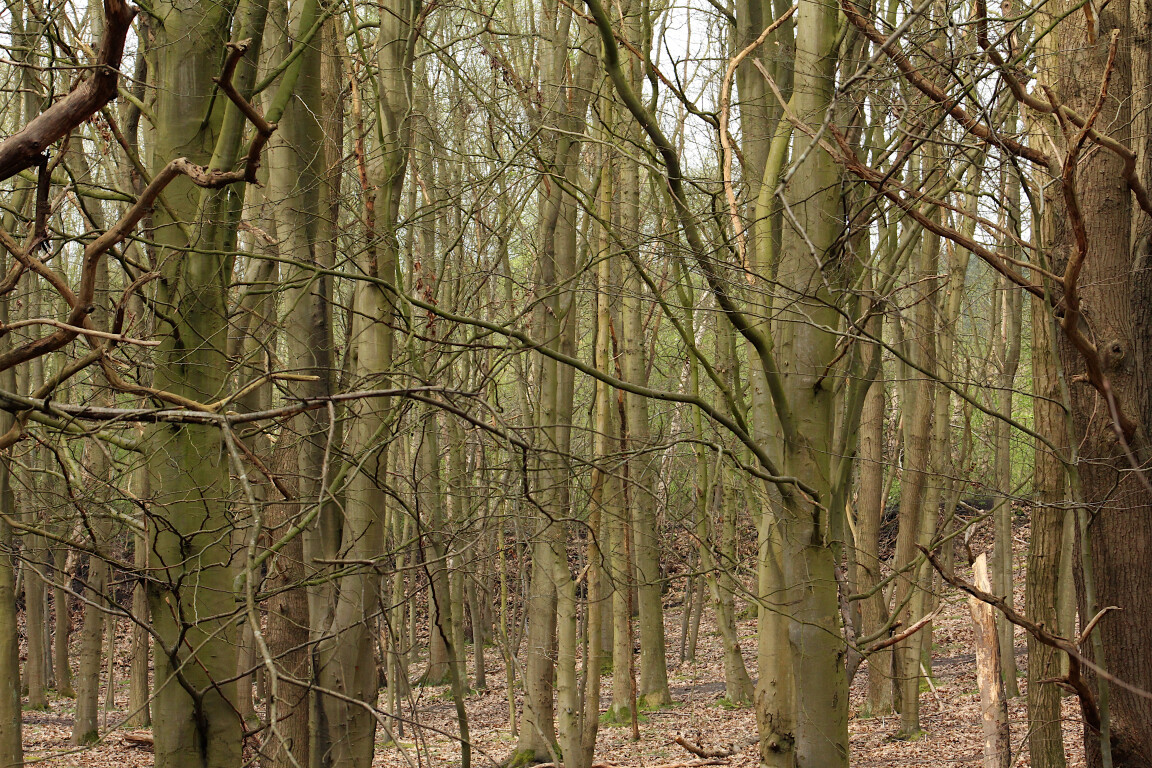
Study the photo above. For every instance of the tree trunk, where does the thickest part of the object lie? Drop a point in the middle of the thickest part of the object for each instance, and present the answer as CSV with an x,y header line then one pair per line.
x,y
85,726
1045,543
11,747
1115,295
807,348
869,513
62,626
35,554
192,593
139,708
993,703
641,490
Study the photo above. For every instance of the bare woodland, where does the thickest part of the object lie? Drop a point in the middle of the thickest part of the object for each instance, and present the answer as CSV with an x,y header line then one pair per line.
x,y
354,350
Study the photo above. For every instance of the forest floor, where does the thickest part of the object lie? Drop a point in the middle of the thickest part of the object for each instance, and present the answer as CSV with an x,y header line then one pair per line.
x,y
950,711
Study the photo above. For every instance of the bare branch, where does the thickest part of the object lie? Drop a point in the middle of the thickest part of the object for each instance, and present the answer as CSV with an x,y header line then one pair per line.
x,y
24,149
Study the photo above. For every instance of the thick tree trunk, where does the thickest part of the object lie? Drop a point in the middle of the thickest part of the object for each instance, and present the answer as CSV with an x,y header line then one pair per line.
x,y
806,348
192,593
1116,295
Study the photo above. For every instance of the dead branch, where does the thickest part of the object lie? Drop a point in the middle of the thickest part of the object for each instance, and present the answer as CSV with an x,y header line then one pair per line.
x,y
904,635
701,751
138,739
15,403
85,331
1053,106
911,205
264,129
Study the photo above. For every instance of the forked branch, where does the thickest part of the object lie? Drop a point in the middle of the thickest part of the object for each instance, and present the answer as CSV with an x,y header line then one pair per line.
x,y
81,300
24,149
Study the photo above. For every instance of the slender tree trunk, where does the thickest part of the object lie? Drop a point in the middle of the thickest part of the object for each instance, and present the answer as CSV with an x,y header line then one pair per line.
x,y
1011,303
918,413
869,513
641,493
139,708
11,746
62,626
440,626
1045,545
34,603
349,730
85,726
565,115
287,745
737,683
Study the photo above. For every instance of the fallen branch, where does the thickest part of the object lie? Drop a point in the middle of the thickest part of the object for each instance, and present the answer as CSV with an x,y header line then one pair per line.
x,y
701,751
16,403
139,740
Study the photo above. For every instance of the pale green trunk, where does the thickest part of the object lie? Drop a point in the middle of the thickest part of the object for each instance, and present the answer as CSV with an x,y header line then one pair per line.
x,y
653,687
916,477
869,512
192,590
807,348
1008,346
